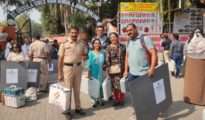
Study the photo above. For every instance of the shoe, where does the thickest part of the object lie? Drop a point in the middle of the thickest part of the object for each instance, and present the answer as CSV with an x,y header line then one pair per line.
x,y
67,112
121,103
95,105
115,104
102,103
172,73
80,112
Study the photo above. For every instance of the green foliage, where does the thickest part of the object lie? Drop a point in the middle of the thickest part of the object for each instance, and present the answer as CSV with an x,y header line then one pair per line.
x,y
187,4
36,28
3,23
77,19
109,10
22,23
51,22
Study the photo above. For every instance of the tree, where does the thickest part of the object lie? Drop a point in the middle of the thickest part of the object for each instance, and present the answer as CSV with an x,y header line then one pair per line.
x,y
36,28
77,19
3,23
23,24
54,18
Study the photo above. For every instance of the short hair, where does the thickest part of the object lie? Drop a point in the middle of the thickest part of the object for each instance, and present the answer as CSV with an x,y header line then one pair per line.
x,y
176,36
99,26
73,28
132,24
38,37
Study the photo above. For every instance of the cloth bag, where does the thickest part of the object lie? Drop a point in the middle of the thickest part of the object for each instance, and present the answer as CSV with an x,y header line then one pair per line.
x,y
59,96
94,88
31,94
172,65
107,89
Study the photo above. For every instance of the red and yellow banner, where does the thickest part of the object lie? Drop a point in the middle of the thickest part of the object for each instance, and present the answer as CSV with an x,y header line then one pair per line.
x,y
144,15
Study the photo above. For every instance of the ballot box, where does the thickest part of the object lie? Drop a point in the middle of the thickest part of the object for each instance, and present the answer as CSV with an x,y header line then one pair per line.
x,y
33,73
13,73
151,96
52,71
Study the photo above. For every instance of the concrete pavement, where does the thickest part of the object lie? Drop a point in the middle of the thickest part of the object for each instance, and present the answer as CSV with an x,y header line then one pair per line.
x,y
41,110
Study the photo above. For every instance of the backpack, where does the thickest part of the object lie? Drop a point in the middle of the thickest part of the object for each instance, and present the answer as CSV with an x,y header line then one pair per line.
x,y
149,56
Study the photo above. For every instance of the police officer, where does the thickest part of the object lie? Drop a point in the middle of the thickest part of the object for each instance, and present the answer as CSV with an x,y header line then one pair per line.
x,y
38,52
70,54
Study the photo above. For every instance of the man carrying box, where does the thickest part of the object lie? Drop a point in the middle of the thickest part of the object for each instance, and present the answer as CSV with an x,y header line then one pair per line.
x,y
70,54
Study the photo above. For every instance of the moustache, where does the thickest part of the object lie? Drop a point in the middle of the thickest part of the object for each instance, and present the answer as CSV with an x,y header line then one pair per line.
x,y
74,36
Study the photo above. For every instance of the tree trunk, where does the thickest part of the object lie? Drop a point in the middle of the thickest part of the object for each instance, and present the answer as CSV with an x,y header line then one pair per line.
x,y
66,14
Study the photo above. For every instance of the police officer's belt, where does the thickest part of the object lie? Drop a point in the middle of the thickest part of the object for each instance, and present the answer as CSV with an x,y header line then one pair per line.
x,y
72,64
39,57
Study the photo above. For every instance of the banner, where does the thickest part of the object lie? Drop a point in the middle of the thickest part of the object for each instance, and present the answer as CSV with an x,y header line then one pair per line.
x,y
187,20
145,15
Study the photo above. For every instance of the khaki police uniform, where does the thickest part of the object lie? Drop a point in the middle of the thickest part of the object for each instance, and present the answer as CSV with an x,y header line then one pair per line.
x,y
39,53
72,55
15,57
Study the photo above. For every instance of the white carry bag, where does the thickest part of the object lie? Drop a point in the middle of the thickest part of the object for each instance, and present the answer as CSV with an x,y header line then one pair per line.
x,y
107,89
59,96
122,84
94,88
172,65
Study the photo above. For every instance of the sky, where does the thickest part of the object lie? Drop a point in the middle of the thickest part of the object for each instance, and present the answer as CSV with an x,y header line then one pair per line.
x,y
35,15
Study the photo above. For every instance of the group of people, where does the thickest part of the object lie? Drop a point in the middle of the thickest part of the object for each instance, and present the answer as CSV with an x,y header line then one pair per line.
x,y
173,52
105,57
36,51
19,51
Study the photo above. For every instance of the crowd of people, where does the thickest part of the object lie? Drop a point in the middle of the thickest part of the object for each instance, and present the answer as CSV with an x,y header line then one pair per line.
x,y
173,53
105,57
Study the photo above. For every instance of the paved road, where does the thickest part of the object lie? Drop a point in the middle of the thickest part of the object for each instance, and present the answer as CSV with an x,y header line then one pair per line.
x,y
41,110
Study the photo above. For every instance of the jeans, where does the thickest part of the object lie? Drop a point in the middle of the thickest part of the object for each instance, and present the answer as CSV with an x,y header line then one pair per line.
x,y
131,77
178,61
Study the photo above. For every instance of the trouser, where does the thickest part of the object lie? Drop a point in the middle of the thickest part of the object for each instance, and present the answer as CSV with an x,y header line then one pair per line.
x,y
43,83
178,61
117,95
72,80
131,77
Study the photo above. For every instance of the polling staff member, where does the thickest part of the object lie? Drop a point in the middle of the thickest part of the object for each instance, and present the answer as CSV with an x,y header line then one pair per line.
x,y
38,52
70,55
